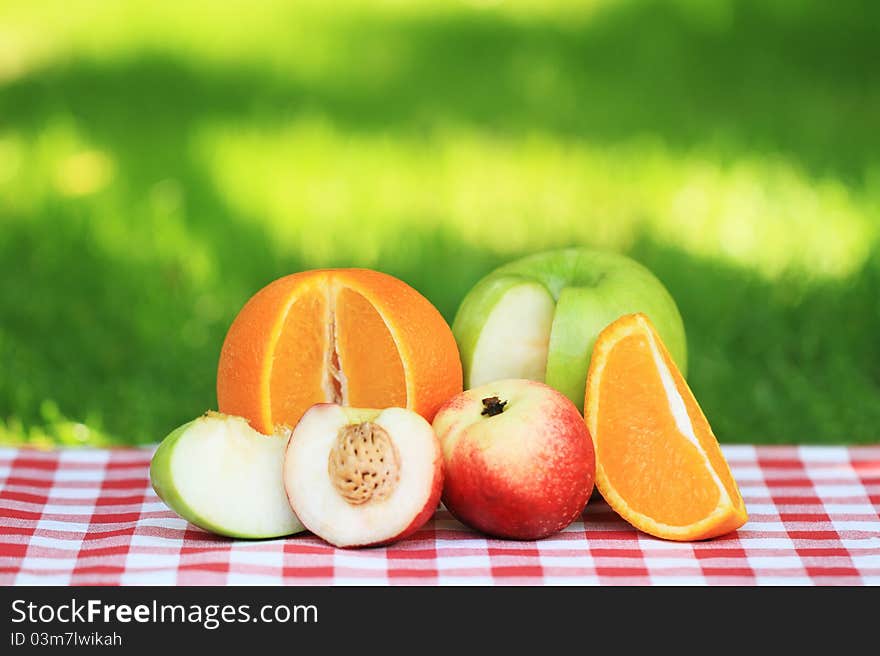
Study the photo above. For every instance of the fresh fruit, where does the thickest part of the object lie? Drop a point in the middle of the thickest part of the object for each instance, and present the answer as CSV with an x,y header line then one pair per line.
x,y
223,476
539,317
658,463
351,336
358,477
517,457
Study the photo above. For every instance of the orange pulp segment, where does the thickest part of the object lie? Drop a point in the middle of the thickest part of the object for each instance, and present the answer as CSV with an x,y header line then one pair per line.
x,y
658,464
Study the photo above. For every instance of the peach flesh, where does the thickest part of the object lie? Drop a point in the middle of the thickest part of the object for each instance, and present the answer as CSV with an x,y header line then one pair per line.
x,y
363,477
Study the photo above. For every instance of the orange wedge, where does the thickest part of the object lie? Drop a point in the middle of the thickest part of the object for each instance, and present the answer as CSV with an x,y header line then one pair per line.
x,y
658,464
356,337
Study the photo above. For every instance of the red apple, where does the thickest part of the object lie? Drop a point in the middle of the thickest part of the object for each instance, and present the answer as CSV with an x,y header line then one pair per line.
x,y
518,459
359,477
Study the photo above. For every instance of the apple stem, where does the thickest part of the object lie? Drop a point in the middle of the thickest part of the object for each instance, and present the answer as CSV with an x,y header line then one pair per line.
x,y
493,406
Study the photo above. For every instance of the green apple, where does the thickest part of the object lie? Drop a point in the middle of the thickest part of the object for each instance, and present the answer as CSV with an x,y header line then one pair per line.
x,y
539,317
223,476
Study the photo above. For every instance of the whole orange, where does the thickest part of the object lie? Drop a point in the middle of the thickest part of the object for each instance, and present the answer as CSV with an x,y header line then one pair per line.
x,y
356,337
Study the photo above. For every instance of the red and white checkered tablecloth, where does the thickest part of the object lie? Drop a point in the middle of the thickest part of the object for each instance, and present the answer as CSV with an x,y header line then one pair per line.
x,y
90,517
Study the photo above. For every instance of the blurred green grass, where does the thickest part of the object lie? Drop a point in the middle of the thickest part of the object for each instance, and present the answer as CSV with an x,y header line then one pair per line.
x,y
160,162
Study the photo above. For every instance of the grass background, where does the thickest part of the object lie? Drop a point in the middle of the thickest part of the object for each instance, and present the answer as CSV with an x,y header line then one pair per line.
x,y
161,161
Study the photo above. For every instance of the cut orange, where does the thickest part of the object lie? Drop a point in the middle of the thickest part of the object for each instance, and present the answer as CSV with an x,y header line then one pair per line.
x,y
350,336
658,464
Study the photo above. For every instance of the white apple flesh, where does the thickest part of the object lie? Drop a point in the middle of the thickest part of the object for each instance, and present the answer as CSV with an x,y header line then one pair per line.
x,y
516,336
223,476
360,477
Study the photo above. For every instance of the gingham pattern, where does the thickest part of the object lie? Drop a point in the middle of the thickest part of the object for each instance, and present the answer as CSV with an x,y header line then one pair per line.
x,y
87,517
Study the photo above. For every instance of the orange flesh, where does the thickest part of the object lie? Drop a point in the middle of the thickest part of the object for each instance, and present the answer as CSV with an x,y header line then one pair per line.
x,y
658,470
368,355
704,432
364,350
297,362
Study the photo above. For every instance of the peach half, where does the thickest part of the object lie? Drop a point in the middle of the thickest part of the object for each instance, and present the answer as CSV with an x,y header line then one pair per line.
x,y
358,477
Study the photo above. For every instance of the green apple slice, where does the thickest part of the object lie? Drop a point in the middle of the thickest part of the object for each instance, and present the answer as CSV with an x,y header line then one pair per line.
x,y
513,340
223,476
